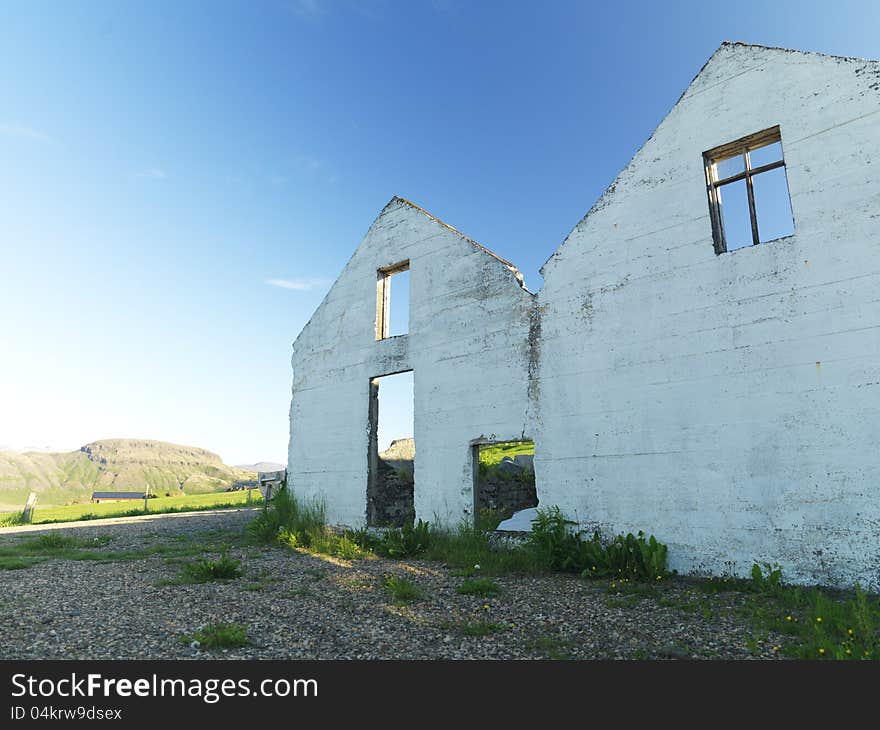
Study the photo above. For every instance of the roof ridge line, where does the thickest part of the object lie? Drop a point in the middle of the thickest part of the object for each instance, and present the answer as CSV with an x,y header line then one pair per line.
x,y
509,264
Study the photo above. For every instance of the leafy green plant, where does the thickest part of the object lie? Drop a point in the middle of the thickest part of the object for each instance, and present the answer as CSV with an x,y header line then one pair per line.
x,y
559,547
768,578
554,543
217,636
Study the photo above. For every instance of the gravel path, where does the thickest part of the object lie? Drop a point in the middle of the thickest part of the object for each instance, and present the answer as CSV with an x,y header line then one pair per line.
x,y
298,606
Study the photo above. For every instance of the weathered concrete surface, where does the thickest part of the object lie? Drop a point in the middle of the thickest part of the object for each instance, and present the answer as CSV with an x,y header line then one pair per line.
x,y
727,404
466,348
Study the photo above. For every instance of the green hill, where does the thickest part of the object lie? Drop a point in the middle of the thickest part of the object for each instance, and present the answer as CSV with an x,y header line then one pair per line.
x,y
112,465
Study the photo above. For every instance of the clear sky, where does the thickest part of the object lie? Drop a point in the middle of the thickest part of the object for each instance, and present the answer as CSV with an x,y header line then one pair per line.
x,y
181,181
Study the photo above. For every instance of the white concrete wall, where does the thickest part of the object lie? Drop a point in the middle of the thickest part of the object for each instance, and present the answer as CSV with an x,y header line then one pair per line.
x,y
730,404
467,346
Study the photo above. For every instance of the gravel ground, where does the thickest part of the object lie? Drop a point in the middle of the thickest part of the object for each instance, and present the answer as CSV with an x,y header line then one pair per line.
x,y
298,606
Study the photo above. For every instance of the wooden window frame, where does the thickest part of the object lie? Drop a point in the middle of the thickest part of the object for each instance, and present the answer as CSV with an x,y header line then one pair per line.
x,y
742,146
383,297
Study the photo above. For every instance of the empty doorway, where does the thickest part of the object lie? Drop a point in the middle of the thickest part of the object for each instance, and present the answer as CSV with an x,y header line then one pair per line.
x,y
392,451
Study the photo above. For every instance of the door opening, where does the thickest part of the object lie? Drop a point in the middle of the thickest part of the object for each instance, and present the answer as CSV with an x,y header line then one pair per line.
x,y
392,451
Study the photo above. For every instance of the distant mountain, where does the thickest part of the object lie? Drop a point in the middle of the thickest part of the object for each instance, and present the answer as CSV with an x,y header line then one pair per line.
x,y
261,466
112,465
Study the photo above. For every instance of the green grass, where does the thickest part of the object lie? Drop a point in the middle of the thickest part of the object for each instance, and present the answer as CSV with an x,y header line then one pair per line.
x,y
402,590
25,552
481,628
205,571
302,525
493,453
479,587
11,519
816,622
637,589
551,647
297,524
22,552
820,624
467,549
218,636
157,505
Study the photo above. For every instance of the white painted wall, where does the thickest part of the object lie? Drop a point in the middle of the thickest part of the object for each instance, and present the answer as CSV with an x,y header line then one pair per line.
x,y
728,404
466,347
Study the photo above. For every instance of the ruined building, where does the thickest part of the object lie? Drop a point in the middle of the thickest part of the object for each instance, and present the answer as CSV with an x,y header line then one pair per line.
x,y
702,361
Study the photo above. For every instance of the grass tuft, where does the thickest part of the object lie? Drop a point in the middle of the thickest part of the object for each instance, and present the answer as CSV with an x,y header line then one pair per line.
x,y
218,636
302,525
479,587
402,590
205,571
482,628
52,541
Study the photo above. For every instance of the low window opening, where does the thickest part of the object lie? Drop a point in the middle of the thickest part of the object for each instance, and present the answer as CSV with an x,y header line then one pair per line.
x,y
505,492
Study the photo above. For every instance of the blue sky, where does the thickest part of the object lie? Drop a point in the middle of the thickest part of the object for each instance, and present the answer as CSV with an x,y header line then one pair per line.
x,y
181,181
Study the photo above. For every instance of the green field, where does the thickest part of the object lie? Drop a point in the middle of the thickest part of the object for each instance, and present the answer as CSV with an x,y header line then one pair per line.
x,y
186,503
494,453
